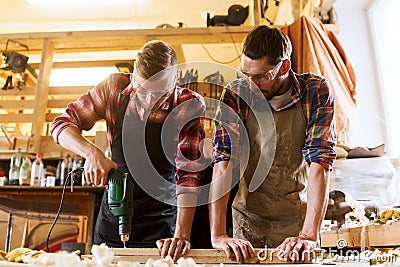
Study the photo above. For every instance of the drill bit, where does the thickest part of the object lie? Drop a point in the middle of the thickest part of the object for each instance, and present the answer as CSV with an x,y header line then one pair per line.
x,y
124,239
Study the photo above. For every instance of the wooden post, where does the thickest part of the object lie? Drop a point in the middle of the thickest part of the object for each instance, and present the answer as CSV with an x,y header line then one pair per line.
x,y
179,53
41,95
255,14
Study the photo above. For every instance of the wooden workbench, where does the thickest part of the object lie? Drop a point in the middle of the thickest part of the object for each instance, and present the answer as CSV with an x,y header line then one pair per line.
x,y
81,202
353,264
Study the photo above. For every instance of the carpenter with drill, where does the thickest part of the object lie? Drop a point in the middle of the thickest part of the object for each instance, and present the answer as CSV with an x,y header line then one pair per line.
x,y
136,107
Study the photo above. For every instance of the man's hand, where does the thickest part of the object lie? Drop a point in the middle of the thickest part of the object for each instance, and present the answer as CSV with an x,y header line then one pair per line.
x,y
292,248
235,249
175,247
97,166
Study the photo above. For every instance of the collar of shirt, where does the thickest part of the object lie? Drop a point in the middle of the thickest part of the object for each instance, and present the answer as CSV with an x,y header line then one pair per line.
x,y
129,89
295,94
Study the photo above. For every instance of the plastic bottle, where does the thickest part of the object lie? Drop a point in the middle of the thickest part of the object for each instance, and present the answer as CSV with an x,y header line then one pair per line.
x,y
42,177
58,173
37,170
15,165
25,171
66,168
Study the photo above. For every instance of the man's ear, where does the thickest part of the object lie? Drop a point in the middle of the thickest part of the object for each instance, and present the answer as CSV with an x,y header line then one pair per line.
x,y
286,65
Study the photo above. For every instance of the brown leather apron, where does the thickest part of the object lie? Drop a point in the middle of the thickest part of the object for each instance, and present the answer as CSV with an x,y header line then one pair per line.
x,y
276,210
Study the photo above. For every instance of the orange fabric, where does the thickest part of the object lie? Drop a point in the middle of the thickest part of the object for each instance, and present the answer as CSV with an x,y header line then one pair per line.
x,y
318,50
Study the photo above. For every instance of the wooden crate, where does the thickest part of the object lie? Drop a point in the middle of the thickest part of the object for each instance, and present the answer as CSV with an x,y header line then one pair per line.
x,y
384,235
375,236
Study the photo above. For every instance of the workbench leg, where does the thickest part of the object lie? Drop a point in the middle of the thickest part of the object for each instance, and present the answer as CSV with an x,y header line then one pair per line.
x,y
90,223
9,232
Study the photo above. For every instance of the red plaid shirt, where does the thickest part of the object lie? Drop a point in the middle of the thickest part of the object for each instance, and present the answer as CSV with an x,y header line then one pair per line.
x,y
103,101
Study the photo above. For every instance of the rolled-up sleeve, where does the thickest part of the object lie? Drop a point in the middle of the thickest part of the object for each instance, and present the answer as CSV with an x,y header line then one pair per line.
x,y
321,139
82,114
189,158
226,137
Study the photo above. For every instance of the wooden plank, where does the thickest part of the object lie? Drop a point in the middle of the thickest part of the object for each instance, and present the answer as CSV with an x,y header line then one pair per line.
x,y
42,91
62,103
85,64
23,92
53,90
205,256
179,54
51,116
15,118
69,90
111,40
255,13
16,104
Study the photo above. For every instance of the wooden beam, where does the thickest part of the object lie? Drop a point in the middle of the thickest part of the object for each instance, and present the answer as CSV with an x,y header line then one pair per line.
x,y
62,103
51,116
69,90
112,40
179,53
23,92
255,13
42,92
53,90
16,104
16,118
85,64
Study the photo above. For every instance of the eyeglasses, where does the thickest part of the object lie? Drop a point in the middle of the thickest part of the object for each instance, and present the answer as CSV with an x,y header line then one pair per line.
x,y
266,76
153,87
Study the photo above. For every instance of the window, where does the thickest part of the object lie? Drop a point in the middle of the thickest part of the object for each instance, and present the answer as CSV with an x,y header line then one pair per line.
x,y
385,25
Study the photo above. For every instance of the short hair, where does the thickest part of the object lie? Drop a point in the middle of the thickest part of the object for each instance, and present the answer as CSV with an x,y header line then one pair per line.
x,y
154,57
267,41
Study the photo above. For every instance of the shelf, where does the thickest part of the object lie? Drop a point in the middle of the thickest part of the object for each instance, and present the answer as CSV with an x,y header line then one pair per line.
x,y
111,40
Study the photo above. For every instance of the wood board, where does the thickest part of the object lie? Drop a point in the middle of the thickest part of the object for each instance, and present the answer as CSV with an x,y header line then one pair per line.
x,y
207,256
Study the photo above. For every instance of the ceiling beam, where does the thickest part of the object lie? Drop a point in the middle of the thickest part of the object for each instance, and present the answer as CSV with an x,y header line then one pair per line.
x,y
112,40
84,64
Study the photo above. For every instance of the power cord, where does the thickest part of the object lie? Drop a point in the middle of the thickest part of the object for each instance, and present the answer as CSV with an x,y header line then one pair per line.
x,y
224,62
61,203
208,52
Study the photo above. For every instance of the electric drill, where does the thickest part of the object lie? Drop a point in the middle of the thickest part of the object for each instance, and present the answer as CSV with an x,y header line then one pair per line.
x,y
120,201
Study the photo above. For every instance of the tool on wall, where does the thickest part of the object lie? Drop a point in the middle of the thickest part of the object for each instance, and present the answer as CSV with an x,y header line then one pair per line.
x,y
264,6
237,14
326,12
16,63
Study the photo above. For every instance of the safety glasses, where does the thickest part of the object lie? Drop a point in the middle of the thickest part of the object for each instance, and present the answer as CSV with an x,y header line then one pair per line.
x,y
263,77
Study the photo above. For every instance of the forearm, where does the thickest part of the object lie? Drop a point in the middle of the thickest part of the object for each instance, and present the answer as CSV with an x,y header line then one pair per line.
x,y
186,208
219,196
317,201
71,138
